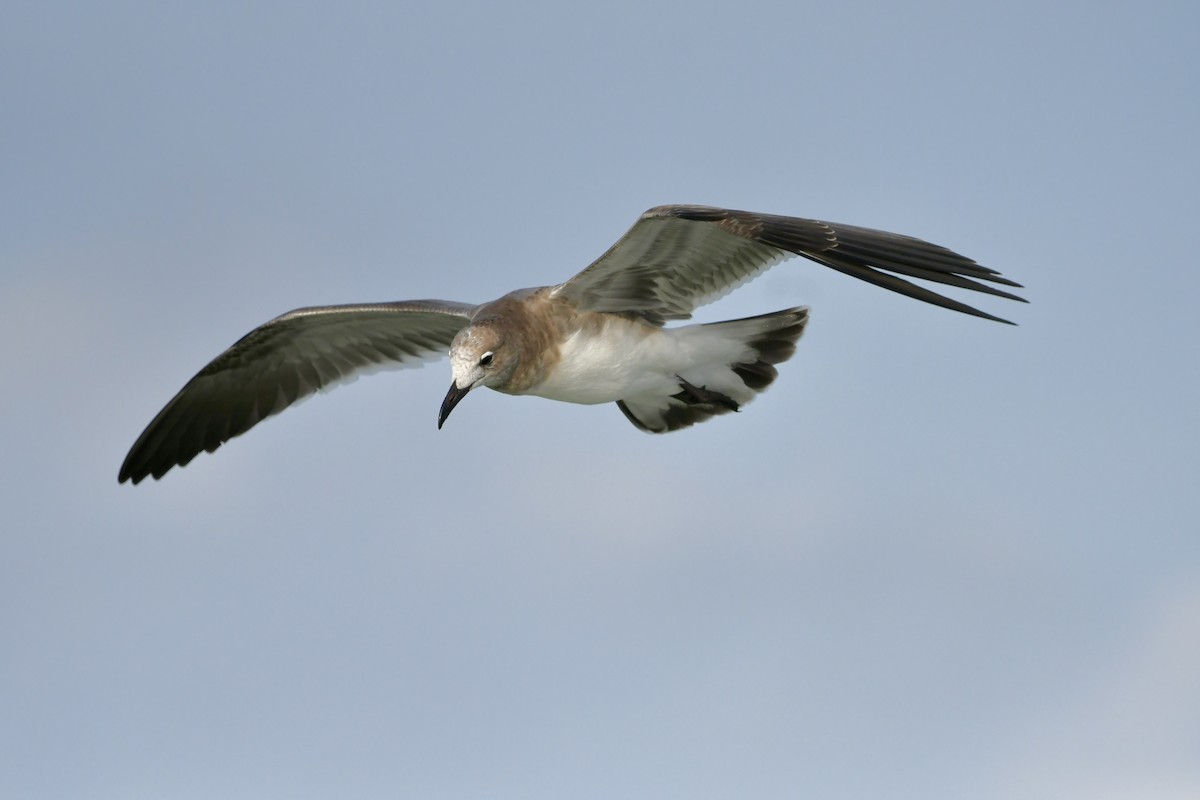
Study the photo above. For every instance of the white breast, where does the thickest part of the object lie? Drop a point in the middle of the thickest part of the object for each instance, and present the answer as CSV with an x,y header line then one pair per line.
x,y
622,358
604,363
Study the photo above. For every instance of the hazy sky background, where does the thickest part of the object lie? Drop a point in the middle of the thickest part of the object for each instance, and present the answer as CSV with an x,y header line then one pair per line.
x,y
940,558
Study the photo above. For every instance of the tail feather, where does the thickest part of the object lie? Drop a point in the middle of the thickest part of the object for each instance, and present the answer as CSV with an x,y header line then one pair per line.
x,y
709,389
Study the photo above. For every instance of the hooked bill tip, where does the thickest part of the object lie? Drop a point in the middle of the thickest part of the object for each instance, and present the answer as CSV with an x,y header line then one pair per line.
x,y
452,399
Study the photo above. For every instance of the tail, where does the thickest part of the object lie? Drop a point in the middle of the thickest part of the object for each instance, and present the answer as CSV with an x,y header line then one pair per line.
x,y
735,361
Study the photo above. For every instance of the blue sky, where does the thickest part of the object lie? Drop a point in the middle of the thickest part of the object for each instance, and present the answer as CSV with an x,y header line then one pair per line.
x,y
939,558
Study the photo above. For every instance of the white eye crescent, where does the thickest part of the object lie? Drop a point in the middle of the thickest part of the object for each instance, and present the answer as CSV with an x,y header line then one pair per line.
x,y
486,359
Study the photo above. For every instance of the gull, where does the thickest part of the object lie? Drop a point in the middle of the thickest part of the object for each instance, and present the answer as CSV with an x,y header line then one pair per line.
x,y
601,337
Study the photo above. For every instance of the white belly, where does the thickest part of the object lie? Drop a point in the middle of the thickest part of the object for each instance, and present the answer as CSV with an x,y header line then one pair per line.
x,y
605,364
624,359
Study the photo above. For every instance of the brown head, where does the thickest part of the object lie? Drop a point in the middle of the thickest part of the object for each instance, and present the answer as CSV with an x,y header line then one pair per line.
x,y
480,355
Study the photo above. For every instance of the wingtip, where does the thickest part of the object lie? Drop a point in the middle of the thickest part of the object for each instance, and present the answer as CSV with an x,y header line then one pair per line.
x,y
975,312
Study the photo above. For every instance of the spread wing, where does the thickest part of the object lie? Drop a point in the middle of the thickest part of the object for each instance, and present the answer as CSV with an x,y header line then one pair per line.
x,y
283,361
676,258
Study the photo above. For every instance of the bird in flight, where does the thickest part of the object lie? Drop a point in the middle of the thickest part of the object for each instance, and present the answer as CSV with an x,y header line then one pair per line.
x,y
598,338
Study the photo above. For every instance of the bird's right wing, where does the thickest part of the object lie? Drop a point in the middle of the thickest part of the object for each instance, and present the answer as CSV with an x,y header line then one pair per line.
x,y
285,360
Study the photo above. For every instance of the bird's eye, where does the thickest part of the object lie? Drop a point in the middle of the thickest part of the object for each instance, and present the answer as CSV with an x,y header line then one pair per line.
x,y
486,359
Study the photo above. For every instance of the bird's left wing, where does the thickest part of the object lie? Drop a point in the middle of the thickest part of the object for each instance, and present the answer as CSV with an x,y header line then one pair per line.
x,y
285,360
676,258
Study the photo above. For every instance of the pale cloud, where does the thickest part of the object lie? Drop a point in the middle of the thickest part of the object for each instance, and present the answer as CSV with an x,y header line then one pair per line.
x,y
1131,730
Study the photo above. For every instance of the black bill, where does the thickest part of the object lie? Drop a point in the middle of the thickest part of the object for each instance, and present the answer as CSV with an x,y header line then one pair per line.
x,y
452,397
